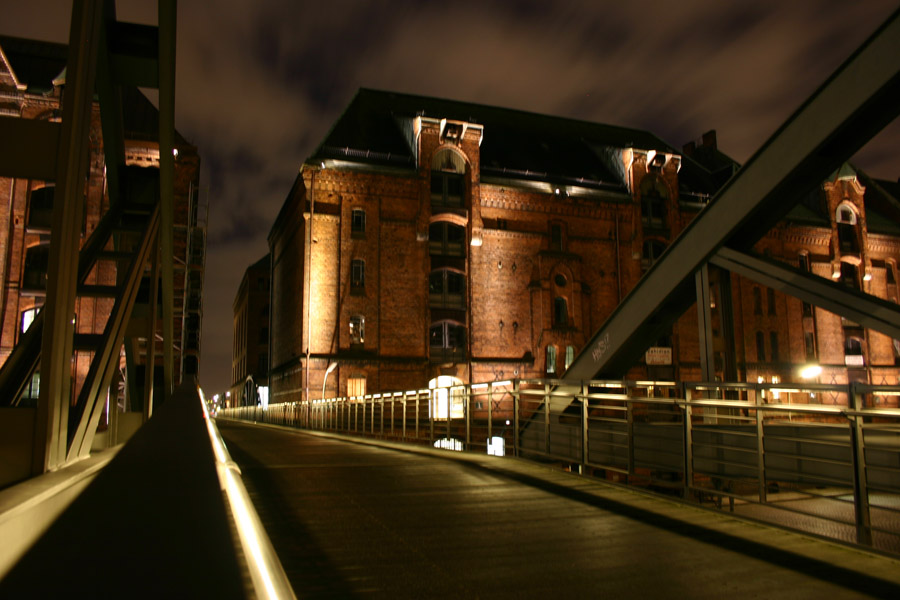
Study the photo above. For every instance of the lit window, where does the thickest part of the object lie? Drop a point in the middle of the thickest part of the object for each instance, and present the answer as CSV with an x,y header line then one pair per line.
x,y
357,330
570,356
357,274
551,359
356,385
28,317
358,222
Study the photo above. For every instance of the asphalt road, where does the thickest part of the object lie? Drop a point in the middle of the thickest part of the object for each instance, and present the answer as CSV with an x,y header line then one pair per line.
x,y
352,519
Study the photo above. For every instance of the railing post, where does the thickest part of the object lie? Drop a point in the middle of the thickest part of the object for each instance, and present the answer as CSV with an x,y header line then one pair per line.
x,y
584,427
431,411
688,444
629,425
418,395
490,416
547,416
761,449
468,414
860,483
516,417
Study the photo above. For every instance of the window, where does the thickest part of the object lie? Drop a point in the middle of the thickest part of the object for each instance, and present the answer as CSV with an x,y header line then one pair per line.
x,y
848,238
570,356
357,274
773,345
653,202
556,237
849,275
28,317
760,346
358,223
809,340
551,360
40,208
34,276
446,239
560,312
447,169
757,301
447,341
357,330
770,301
262,366
446,289
853,352
652,250
356,385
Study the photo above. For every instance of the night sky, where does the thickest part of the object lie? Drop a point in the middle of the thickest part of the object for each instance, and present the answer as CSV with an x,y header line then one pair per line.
x,y
259,83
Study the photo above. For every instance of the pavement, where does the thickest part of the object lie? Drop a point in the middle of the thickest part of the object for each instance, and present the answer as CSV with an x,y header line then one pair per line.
x,y
366,518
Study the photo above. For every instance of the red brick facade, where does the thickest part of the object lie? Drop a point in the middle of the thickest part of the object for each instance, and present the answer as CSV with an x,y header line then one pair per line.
x,y
481,286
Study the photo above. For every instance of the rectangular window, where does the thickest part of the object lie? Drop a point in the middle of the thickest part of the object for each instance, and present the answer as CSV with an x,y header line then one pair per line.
x,y
356,385
556,237
357,330
773,345
551,360
760,346
757,301
770,298
358,223
809,340
357,274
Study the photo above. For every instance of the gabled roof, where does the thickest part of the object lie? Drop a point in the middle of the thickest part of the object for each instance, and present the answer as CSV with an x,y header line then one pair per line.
x,y
37,64
516,144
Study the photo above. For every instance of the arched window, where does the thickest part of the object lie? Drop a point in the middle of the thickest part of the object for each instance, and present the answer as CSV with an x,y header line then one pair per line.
x,y
446,239
560,312
447,170
652,250
446,289
848,235
570,356
654,195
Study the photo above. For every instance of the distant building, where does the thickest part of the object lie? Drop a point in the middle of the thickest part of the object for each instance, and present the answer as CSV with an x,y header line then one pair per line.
x,y
428,238
32,79
249,362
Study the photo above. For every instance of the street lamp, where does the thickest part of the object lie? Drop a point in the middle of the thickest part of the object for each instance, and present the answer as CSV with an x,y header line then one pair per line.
x,y
330,368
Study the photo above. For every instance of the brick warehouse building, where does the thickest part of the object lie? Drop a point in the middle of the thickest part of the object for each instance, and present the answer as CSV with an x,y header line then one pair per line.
x,y
250,343
429,238
32,80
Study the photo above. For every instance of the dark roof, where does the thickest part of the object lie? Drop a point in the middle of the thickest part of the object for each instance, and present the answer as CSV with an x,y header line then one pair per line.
x,y
375,129
37,64
882,204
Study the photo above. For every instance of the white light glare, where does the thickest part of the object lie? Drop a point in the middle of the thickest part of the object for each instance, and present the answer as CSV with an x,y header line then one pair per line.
x,y
810,371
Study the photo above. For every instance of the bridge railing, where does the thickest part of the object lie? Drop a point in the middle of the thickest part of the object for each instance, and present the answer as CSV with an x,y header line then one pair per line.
x,y
820,458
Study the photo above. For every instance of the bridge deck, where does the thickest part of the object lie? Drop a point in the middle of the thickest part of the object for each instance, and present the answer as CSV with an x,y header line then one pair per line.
x,y
369,519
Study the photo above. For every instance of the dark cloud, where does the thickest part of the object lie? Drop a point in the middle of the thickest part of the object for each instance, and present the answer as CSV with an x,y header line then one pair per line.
x,y
260,82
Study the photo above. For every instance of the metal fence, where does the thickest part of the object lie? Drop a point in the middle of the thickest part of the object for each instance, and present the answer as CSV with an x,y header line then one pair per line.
x,y
824,459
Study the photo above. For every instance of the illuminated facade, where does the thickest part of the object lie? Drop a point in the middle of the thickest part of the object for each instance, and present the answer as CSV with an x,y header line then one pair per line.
x,y
429,238
32,80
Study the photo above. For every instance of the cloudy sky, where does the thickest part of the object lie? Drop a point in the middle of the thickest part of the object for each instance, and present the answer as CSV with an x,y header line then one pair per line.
x,y
259,82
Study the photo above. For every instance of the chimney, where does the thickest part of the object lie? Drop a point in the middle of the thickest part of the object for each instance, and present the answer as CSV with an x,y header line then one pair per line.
x,y
688,149
709,139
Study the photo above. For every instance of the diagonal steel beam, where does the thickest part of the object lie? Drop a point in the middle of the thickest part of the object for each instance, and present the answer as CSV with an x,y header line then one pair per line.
x,y
72,160
865,309
856,102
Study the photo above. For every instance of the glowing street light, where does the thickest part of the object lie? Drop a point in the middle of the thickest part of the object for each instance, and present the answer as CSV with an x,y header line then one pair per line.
x,y
810,371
